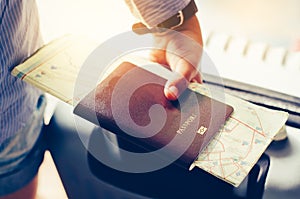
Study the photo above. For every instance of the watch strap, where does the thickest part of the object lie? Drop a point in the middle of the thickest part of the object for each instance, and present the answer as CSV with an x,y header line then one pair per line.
x,y
171,23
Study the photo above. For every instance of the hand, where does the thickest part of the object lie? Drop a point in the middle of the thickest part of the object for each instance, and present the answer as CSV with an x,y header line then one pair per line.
x,y
180,51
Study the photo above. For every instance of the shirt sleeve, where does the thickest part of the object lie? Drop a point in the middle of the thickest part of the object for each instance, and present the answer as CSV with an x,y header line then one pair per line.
x,y
153,12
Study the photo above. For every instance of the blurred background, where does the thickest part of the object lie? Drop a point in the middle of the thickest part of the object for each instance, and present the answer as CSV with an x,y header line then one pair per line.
x,y
272,21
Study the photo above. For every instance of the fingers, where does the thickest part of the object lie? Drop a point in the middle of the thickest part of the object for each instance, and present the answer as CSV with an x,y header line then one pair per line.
x,y
181,61
174,87
186,73
158,56
197,79
183,55
180,51
187,70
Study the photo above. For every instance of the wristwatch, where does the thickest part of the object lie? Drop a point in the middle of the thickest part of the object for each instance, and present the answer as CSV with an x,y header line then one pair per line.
x,y
171,23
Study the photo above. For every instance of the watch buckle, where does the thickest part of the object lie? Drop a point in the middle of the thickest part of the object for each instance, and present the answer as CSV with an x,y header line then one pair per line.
x,y
181,19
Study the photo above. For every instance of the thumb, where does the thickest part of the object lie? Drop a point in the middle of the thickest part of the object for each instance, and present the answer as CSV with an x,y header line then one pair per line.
x,y
184,73
177,83
174,87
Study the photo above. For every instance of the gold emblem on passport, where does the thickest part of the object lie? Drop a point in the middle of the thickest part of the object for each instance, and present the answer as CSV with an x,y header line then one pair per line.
x,y
202,130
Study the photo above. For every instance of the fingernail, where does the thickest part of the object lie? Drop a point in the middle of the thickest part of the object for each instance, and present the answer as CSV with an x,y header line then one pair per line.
x,y
174,91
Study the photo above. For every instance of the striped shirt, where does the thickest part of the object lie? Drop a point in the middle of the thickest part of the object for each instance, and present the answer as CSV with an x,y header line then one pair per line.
x,y
19,38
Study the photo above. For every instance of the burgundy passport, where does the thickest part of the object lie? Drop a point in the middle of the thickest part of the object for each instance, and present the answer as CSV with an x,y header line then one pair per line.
x,y
130,102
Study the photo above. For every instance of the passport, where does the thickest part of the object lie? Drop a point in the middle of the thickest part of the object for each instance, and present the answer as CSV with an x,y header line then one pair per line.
x,y
130,102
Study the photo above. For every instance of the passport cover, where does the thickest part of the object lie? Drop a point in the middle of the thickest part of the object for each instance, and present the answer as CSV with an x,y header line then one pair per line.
x,y
140,113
